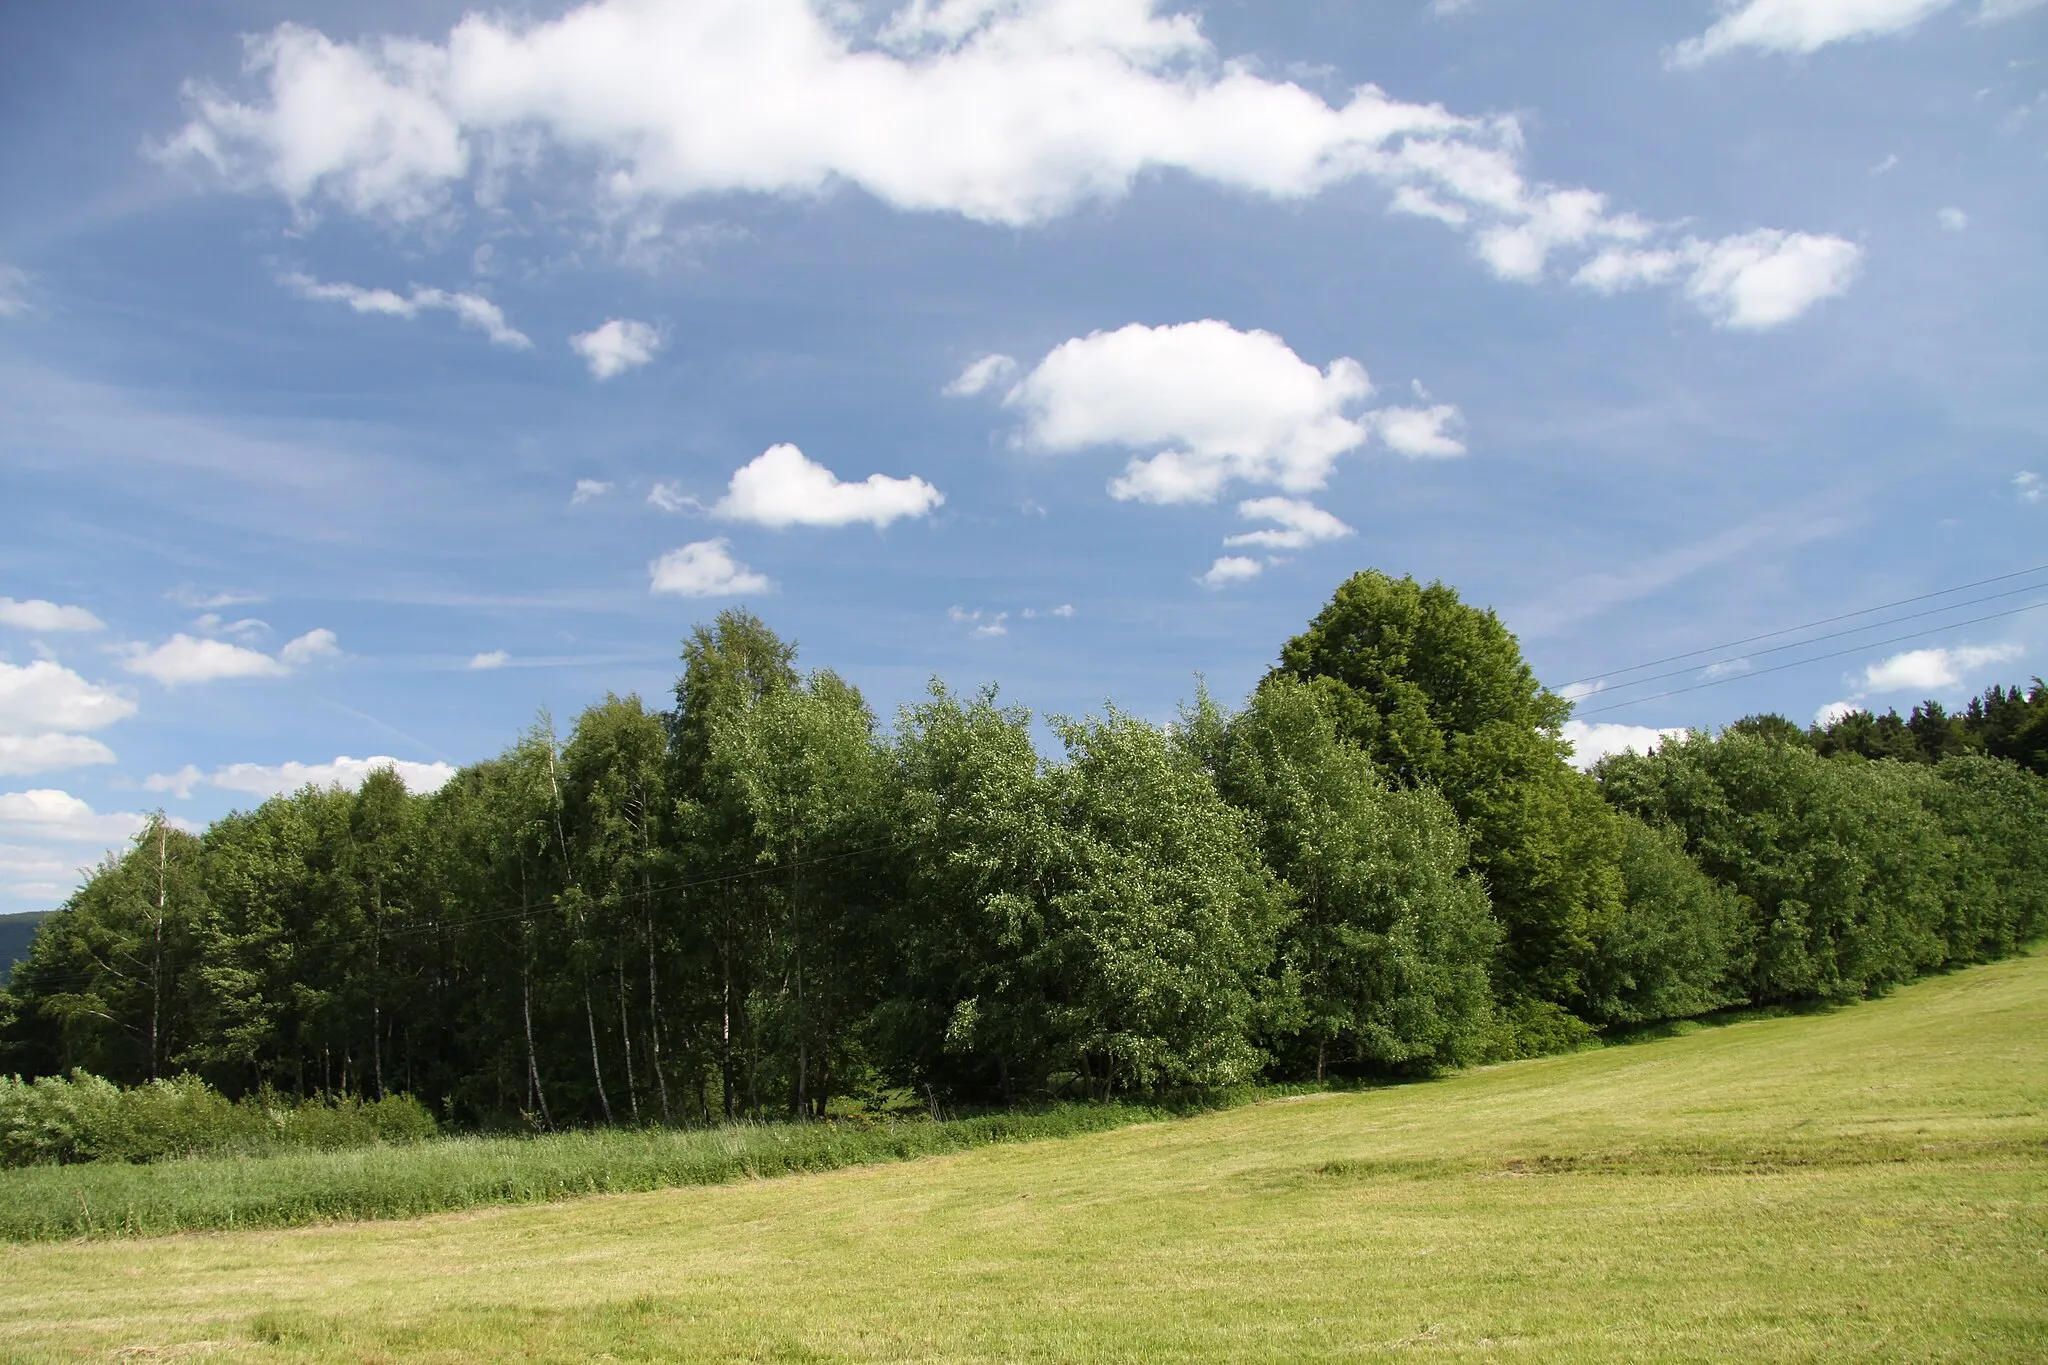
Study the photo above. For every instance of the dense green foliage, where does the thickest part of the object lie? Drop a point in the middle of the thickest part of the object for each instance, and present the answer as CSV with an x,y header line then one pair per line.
x,y
2002,723
84,1118
1857,875
762,903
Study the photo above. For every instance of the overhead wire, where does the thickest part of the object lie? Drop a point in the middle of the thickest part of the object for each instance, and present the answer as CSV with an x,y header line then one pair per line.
x,y
1817,658
1817,639
1823,621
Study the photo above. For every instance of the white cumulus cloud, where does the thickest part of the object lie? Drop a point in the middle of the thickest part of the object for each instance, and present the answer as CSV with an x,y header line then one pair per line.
x,y
1834,711
780,487
471,310
36,614
1751,281
704,568
188,659
46,813
259,779
496,658
1230,569
178,784
314,644
1215,403
1301,524
47,753
1933,670
616,346
1003,111
1594,741
44,696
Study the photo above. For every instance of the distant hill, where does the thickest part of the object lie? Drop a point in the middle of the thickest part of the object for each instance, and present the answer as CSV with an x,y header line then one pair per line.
x,y
16,933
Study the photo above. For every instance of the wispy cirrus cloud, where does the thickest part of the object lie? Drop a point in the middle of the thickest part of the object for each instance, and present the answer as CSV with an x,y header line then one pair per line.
x,y
471,310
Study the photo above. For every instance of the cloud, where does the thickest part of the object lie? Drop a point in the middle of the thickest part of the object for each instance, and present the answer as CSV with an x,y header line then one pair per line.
x,y
186,659
178,784
259,779
44,696
1802,26
49,814
1064,609
496,658
1230,569
705,568
618,345
19,860
1952,219
46,753
1752,281
1420,431
1834,711
1933,670
1011,112
1593,742
314,644
586,489
188,596
36,614
669,497
247,628
985,626
14,283
2027,486
779,487
1886,166
1215,403
1301,524
471,310
984,373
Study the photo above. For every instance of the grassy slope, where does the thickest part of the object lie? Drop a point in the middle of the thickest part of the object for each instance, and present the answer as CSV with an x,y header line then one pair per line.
x,y
1873,1181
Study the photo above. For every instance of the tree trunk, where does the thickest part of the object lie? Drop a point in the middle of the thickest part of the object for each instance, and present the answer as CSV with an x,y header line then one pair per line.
x,y
156,968
626,1041
534,1092
653,1006
604,1101
376,978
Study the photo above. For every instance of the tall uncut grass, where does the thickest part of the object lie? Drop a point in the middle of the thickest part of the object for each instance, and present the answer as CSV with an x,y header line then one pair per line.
x,y
111,1198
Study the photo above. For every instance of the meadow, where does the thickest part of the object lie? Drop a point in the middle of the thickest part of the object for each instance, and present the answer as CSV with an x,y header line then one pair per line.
x,y
1871,1181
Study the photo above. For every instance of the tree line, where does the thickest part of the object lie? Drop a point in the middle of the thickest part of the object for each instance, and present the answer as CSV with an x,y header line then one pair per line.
x,y
759,902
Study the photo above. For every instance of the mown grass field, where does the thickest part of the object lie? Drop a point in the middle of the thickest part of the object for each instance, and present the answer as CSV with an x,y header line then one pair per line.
x,y
1867,1183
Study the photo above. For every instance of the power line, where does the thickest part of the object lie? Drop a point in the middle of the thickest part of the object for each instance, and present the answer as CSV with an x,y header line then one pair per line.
x,y
1835,654
1831,635
1824,621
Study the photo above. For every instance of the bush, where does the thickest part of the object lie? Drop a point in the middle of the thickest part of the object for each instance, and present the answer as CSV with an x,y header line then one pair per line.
x,y
1677,947
58,1119
1536,1028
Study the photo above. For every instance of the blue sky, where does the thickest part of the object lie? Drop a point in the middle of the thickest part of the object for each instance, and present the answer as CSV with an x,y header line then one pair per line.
x,y
376,375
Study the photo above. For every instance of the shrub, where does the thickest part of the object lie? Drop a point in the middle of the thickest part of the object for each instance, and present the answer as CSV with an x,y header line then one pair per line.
x,y
81,1117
